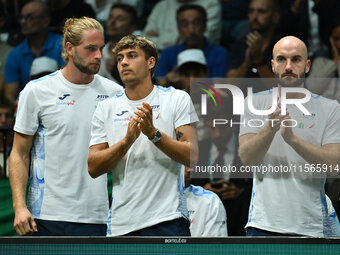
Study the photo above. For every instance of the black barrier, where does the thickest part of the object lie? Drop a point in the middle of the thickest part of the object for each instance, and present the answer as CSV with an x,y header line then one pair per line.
x,y
5,131
168,245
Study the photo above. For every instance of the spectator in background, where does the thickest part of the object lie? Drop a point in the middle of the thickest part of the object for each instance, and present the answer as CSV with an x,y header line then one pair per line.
x,y
63,9
102,7
191,63
52,129
34,22
234,20
327,66
42,66
333,192
220,149
6,120
297,19
192,24
332,221
327,11
310,21
4,49
12,24
122,21
250,55
206,211
161,25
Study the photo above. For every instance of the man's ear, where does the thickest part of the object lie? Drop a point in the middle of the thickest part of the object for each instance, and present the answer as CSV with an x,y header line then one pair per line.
x,y
151,62
69,48
272,63
308,64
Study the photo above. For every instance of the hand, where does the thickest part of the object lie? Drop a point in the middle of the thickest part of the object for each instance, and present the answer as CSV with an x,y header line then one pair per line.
x,y
133,131
247,58
178,80
173,76
296,7
334,50
255,41
144,118
276,118
287,130
24,223
228,190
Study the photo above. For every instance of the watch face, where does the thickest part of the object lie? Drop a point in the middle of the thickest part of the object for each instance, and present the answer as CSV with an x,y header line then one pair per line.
x,y
157,136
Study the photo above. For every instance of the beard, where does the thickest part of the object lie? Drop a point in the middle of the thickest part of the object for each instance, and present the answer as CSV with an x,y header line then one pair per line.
x,y
81,65
293,81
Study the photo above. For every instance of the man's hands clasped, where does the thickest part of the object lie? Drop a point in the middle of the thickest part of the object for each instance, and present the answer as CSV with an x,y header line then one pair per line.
x,y
276,123
141,122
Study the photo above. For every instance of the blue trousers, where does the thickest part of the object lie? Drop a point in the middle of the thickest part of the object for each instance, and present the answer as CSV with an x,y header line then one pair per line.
x,y
177,227
250,231
62,228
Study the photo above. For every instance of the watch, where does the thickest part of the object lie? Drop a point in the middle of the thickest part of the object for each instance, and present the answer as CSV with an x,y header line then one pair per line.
x,y
156,137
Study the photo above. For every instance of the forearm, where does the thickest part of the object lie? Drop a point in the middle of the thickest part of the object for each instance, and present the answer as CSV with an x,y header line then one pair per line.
x,y
11,91
328,154
253,150
265,72
239,72
100,161
180,151
18,175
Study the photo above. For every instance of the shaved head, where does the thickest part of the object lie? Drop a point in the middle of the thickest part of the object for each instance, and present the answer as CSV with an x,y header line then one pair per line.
x,y
290,61
288,43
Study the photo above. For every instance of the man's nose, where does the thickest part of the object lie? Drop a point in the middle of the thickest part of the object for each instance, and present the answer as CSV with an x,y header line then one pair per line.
x,y
191,28
99,54
124,61
288,66
253,16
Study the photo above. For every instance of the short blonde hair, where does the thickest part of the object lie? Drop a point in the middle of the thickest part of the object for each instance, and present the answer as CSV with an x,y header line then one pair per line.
x,y
74,29
132,41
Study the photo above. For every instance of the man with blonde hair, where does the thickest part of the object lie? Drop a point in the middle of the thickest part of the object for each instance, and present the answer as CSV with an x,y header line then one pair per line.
x,y
53,128
145,135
